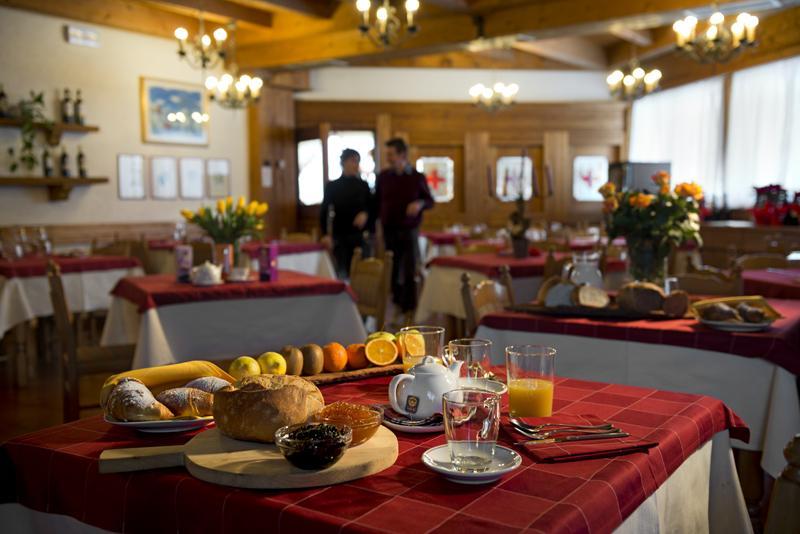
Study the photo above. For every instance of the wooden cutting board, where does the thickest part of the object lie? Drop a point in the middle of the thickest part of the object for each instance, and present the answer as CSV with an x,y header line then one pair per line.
x,y
214,458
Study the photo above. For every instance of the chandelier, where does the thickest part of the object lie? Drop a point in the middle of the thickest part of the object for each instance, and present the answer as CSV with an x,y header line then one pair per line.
x,y
387,28
493,98
718,43
633,82
201,51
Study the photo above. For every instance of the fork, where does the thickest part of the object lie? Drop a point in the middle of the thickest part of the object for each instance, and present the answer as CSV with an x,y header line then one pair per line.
x,y
535,428
571,431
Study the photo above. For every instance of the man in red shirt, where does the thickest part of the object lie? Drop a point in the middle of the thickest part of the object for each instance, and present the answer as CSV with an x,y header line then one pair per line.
x,y
401,194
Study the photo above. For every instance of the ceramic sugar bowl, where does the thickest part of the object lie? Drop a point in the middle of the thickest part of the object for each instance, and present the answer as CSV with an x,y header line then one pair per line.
x,y
418,393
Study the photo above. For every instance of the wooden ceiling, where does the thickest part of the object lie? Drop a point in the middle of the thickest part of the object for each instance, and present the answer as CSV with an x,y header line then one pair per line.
x,y
535,34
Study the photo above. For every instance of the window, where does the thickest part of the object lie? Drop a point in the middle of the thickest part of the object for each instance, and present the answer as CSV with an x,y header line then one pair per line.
x,y
682,126
361,141
310,183
763,145
588,174
514,175
439,173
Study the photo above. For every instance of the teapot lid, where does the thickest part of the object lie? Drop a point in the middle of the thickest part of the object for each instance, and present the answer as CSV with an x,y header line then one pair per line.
x,y
429,365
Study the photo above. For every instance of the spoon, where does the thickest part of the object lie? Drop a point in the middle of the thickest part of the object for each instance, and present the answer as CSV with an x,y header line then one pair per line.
x,y
535,428
551,433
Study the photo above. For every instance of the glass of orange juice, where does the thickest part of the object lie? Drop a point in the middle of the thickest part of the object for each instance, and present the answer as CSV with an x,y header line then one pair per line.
x,y
530,371
416,342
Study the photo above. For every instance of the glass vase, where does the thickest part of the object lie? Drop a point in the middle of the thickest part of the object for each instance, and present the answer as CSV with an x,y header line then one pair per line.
x,y
647,260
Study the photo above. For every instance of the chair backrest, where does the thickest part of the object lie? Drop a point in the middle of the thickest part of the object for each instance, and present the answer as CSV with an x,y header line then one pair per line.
x,y
784,514
761,261
474,248
68,353
370,279
299,237
202,251
711,284
115,248
487,296
552,266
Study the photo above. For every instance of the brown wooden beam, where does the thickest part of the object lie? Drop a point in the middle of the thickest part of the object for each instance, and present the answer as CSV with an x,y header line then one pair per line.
x,y
311,8
490,59
229,10
576,51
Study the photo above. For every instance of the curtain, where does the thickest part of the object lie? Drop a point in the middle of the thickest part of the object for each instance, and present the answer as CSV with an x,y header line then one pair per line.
x,y
763,145
682,126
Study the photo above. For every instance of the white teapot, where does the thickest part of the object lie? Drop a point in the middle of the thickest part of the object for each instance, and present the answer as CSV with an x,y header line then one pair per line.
x,y
207,274
418,393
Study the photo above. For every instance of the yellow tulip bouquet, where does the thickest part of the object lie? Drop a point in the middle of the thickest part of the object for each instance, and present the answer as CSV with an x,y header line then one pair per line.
x,y
229,222
653,223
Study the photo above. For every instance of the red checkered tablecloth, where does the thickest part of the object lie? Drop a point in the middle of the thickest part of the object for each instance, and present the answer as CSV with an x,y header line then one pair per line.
x,y
55,471
772,283
37,265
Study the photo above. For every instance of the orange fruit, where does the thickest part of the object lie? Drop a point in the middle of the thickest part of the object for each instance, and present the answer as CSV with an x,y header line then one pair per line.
x,y
357,356
381,351
334,357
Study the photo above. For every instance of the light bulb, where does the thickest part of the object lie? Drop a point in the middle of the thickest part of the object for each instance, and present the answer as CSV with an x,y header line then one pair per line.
x,y
737,29
181,116
211,83
751,22
245,78
690,22
680,27
181,34
615,77
638,73
412,6
227,79
487,93
512,89
205,117
628,80
256,84
220,34
716,18
205,40
499,87
171,117
382,14
476,90
742,17
363,5
711,33
241,86
196,117
652,77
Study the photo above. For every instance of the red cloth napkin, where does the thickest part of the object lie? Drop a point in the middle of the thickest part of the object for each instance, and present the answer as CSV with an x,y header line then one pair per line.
x,y
578,450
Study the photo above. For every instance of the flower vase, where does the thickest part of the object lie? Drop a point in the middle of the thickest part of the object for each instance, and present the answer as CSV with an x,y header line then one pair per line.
x,y
519,247
647,261
224,256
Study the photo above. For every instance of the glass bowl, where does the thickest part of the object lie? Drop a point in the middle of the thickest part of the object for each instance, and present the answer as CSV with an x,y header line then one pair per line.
x,y
313,445
362,419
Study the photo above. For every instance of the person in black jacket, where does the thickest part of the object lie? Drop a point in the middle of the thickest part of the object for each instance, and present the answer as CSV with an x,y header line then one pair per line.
x,y
344,212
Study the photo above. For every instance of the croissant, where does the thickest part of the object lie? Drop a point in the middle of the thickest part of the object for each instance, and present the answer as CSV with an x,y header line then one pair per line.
x,y
130,400
187,401
209,384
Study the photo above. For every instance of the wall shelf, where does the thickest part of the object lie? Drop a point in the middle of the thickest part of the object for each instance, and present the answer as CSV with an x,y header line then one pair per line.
x,y
54,131
57,188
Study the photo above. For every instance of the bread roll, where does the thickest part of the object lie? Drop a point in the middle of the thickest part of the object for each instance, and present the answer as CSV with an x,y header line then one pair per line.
x,y
676,304
130,400
590,296
719,311
751,314
257,406
209,384
187,402
640,297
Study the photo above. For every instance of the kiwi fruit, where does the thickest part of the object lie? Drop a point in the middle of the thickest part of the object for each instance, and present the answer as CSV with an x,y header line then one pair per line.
x,y
294,360
313,359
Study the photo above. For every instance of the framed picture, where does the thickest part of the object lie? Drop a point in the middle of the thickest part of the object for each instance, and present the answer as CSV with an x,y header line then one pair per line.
x,y
588,174
173,112
440,174
219,177
164,177
192,177
130,176
514,176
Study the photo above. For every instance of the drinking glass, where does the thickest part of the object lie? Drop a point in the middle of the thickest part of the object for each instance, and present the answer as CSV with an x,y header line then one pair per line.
x,y
530,371
475,353
471,424
416,342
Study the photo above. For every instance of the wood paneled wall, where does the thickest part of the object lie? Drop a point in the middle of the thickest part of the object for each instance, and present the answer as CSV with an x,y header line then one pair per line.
x,y
553,134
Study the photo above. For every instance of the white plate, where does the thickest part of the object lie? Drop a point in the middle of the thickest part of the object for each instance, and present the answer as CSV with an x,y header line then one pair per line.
x,y
422,429
505,460
727,326
494,386
163,426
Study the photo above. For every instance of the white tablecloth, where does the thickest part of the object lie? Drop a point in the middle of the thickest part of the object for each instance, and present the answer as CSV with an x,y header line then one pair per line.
x,y
315,262
224,329
26,298
763,394
702,495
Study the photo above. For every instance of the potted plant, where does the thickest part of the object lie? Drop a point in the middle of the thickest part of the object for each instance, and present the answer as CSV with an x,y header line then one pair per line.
x,y
518,225
653,223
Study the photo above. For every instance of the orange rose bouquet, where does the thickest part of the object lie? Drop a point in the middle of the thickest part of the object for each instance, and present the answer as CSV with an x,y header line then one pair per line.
x,y
652,224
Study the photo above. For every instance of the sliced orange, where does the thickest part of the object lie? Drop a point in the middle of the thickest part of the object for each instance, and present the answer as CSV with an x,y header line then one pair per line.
x,y
381,351
413,343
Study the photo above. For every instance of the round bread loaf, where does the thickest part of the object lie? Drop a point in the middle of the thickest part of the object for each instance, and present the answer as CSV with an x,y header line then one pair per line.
x,y
257,406
640,297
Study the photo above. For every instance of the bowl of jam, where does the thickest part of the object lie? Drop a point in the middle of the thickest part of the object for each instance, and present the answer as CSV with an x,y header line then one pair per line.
x,y
362,419
313,445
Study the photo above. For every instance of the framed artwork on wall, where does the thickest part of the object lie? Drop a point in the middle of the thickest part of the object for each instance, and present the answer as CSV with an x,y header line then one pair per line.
x,y
130,177
164,177
192,178
173,112
514,176
440,174
219,177
588,174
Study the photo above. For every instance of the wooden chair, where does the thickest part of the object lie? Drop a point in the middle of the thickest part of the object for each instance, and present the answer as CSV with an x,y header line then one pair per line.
x,y
784,514
115,248
371,280
202,251
711,284
487,296
80,362
753,262
474,248
299,237
552,266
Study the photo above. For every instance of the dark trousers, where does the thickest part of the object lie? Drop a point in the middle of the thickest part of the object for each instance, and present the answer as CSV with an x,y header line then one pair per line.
x,y
343,248
404,244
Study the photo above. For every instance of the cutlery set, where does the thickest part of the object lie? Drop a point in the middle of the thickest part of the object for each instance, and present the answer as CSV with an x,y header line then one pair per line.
x,y
549,433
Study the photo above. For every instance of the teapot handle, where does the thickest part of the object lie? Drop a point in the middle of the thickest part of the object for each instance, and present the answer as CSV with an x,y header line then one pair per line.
x,y
393,385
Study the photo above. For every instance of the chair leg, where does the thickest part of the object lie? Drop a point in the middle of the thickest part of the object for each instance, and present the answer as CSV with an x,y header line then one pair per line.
x,y
19,356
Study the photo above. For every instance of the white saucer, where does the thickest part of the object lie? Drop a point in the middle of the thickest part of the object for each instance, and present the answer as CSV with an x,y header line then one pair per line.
x,y
505,460
421,429
164,426
495,386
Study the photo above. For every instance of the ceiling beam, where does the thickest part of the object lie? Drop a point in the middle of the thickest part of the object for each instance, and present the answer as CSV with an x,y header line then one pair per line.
x,y
229,10
540,20
577,51
662,41
507,59
312,8
450,5
636,37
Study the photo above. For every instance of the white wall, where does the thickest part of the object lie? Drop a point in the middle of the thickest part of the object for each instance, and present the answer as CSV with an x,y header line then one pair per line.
x,y
34,55
381,84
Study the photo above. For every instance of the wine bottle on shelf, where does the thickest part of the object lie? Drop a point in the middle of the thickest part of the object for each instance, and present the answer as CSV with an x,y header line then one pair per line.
x,y
81,163
47,163
77,112
63,164
65,107
3,102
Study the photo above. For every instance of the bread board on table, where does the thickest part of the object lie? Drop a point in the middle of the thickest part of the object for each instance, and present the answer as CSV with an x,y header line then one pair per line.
x,y
213,457
346,376
611,312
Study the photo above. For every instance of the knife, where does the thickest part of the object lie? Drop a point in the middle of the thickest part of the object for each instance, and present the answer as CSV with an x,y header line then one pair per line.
x,y
564,439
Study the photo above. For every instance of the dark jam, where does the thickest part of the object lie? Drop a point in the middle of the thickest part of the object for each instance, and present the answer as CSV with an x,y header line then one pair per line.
x,y
315,446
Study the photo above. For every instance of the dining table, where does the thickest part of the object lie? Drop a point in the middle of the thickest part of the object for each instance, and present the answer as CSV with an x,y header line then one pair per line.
x,y
25,292
772,283
173,321
683,480
441,291
754,373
